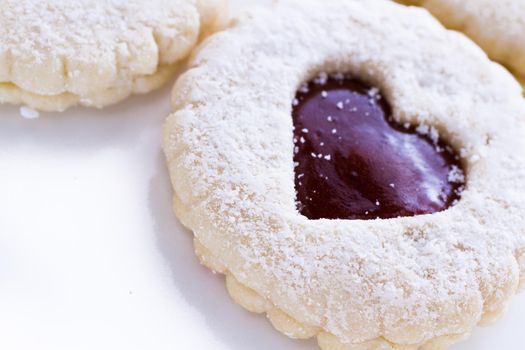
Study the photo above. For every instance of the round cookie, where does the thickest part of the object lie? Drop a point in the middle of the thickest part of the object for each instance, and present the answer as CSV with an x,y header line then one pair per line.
x,y
497,26
407,282
60,53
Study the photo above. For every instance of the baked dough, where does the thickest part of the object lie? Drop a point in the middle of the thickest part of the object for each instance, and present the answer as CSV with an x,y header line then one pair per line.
x,y
403,283
60,53
497,26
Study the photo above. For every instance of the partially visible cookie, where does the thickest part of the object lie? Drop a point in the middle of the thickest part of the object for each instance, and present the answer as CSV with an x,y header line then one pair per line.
x,y
497,26
59,53
214,15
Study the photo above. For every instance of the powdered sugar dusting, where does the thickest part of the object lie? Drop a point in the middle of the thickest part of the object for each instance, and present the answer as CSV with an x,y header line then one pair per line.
x,y
62,26
506,24
456,175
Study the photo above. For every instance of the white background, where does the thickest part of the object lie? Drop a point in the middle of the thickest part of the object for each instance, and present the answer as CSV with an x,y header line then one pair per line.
x,y
91,256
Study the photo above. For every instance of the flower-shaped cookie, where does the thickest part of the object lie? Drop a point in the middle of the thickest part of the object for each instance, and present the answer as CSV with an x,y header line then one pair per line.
x,y
401,279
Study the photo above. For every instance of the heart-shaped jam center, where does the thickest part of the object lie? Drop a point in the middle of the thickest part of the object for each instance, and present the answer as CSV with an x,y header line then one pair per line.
x,y
353,161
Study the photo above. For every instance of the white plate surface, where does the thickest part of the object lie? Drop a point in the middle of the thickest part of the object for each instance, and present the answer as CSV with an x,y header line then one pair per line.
x,y
91,256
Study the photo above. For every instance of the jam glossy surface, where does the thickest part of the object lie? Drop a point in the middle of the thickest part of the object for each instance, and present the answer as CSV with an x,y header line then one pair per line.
x,y
352,161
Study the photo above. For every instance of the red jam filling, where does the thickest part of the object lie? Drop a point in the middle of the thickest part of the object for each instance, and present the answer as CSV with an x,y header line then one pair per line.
x,y
353,161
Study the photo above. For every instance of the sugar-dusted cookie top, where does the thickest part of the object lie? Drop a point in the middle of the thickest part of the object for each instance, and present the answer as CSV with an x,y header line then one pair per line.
x,y
60,52
399,282
497,26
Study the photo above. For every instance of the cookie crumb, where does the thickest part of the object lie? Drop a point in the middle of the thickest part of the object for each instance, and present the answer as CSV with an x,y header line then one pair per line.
x,y
29,113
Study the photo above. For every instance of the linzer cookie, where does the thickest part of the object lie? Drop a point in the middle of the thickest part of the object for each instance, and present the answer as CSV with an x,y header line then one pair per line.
x,y
59,53
355,170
